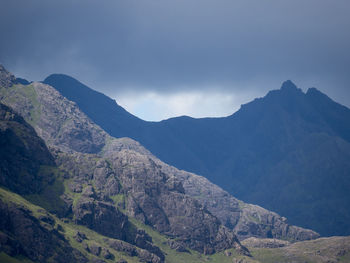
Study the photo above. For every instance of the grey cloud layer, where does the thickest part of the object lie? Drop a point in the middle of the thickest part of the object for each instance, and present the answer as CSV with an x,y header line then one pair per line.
x,y
178,45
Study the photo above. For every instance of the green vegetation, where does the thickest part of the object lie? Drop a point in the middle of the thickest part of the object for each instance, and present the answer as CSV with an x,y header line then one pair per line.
x,y
7,259
22,94
69,229
319,250
119,200
345,258
10,197
268,255
73,195
49,198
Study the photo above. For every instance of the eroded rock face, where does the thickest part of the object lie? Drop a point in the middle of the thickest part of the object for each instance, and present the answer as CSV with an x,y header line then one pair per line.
x,y
22,234
254,242
132,251
158,199
246,220
100,216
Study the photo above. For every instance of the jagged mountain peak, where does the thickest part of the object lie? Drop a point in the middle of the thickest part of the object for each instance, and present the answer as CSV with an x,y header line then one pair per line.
x,y
316,93
288,85
288,91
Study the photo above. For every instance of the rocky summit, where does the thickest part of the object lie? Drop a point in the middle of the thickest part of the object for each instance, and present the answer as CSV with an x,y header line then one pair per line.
x,y
89,197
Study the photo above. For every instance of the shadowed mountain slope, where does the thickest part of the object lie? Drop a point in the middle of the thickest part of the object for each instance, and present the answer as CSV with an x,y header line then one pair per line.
x,y
288,152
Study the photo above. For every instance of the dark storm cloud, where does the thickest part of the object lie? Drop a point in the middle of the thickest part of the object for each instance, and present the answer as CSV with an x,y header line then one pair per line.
x,y
183,44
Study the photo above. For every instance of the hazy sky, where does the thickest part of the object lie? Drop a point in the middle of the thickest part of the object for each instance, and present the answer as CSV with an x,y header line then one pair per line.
x,y
181,57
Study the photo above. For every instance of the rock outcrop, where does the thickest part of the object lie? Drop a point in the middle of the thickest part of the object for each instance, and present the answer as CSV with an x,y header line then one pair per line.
x,y
246,220
254,242
102,217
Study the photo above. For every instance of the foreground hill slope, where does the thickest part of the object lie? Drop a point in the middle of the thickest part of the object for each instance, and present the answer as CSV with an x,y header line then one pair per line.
x,y
55,237
286,149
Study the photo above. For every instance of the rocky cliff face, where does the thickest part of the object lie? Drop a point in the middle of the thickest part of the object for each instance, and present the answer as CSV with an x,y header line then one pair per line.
x,y
246,220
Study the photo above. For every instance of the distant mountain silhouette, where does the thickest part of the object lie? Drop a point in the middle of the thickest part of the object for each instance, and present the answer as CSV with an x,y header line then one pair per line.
x,y
288,152
22,81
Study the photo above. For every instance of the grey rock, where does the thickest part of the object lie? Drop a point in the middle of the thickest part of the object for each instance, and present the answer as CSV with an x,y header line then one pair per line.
x,y
58,121
95,249
75,187
132,251
60,228
47,219
86,247
254,242
177,246
246,220
157,198
102,217
106,253
79,237
89,192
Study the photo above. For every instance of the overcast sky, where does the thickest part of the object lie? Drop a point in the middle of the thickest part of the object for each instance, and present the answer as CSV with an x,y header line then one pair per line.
x,y
166,58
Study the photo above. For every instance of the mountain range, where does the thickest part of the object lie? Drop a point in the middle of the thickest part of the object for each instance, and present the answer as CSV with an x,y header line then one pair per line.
x,y
70,192
288,151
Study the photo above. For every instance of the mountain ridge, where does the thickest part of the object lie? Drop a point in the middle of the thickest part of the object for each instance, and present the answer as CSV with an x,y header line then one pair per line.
x,y
250,143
